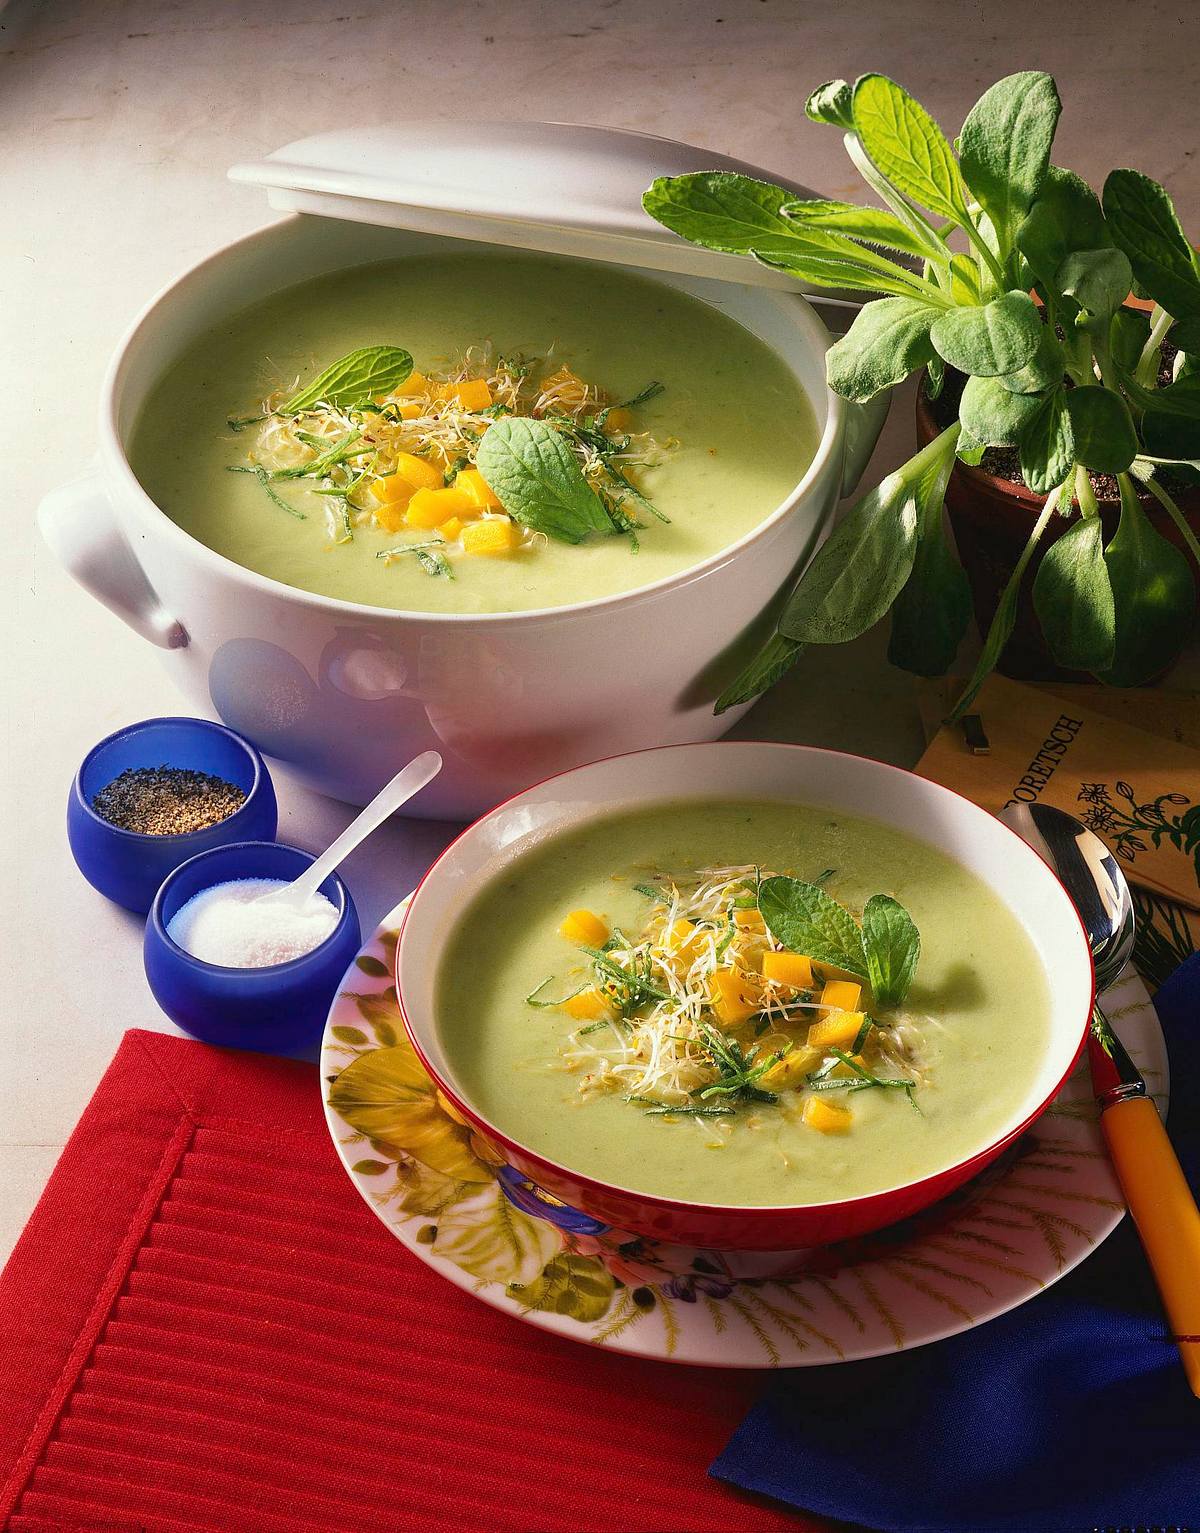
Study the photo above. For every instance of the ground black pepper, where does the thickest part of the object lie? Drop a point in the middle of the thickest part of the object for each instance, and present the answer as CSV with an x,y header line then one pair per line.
x,y
166,800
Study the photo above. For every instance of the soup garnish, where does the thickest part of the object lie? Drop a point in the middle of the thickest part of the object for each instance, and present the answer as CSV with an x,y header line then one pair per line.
x,y
734,990
490,458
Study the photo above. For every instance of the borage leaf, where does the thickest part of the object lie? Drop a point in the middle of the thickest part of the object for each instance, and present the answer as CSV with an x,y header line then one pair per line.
x,y
773,661
807,920
888,340
931,613
1046,369
533,471
892,945
997,337
1103,430
355,378
1073,598
907,146
993,414
1143,222
860,569
873,226
1004,148
832,103
1097,280
1065,217
1154,596
1046,442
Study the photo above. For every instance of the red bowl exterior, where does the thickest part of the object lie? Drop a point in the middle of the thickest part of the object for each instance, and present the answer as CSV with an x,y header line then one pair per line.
x,y
715,1226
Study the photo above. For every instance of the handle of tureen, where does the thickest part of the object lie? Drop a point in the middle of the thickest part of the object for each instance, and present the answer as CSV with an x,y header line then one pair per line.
x,y
863,424
79,527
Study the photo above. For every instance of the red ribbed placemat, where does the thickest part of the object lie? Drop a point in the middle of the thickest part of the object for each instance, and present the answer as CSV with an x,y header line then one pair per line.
x,y
204,1328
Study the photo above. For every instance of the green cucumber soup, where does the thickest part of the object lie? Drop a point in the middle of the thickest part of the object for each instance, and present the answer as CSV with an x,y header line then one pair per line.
x,y
473,433
743,1004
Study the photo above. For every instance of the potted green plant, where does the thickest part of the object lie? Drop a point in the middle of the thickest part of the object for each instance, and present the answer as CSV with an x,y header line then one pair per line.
x,y
1006,280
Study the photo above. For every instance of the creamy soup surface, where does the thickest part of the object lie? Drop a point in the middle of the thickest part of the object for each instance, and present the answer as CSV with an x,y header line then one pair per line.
x,y
735,430
970,1034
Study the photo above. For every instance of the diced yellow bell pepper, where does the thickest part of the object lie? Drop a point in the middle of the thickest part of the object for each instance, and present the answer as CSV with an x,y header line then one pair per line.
x,y
450,530
826,1117
836,1030
430,508
477,487
734,997
790,1070
391,516
390,489
410,412
841,994
587,1006
618,421
684,941
415,383
419,472
585,928
471,393
788,969
749,920
493,535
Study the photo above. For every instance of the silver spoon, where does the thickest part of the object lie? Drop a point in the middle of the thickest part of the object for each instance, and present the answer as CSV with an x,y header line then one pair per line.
x,y
1148,1169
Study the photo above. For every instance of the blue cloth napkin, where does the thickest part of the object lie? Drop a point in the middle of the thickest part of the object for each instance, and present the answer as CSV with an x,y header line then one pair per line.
x,y
1070,1413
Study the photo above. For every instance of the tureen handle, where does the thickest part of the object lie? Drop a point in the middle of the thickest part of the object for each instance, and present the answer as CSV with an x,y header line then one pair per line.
x,y
78,525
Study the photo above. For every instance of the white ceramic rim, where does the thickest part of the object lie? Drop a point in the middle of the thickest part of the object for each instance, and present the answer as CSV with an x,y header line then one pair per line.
x,y
792,306
1063,968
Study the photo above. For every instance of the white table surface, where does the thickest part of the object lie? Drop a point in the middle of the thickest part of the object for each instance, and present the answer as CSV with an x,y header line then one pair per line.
x,y
118,121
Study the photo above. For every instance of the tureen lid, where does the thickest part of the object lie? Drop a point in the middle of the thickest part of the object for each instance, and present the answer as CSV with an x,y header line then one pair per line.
x,y
557,187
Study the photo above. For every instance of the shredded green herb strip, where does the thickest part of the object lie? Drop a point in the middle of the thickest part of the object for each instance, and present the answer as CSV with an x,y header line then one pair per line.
x,y
264,479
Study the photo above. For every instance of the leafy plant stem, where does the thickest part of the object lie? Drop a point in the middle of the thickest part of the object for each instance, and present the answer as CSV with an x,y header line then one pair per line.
x,y
1084,493
985,251
1146,369
1172,510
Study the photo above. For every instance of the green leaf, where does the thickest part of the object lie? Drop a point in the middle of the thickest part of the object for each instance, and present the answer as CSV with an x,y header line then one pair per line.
x,y
355,378
907,146
1066,216
1000,630
1000,337
370,1167
351,1035
964,281
888,340
1047,443
736,214
1073,598
1142,221
1047,368
578,1286
529,466
1103,430
1154,596
1184,334
873,226
1098,280
809,921
774,660
993,414
1180,398
859,570
1127,337
893,948
1169,435
1004,148
932,612
832,103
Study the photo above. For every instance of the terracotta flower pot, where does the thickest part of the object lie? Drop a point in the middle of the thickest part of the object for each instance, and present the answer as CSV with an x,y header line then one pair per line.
x,y
992,519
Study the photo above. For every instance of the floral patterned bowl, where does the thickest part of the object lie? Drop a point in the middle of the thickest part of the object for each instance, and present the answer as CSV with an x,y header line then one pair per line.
x,y
746,770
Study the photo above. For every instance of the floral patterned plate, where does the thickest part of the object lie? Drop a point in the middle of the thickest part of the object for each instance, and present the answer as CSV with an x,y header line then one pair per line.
x,y
996,1243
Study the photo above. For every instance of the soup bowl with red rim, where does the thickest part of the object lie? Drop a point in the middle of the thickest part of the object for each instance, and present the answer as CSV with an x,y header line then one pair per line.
x,y
745,771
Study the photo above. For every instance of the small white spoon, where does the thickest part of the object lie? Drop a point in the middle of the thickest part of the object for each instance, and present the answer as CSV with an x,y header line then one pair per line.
x,y
407,781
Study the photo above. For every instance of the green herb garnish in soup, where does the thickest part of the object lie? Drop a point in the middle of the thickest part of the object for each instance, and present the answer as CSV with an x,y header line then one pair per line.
x,y
743,1003
474,434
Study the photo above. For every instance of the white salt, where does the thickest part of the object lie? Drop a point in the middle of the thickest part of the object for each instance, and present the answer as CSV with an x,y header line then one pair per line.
x,y
224,926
